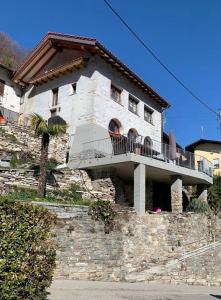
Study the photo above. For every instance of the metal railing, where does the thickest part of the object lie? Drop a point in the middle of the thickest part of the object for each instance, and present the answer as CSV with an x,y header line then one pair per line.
x,y
117,145
201,250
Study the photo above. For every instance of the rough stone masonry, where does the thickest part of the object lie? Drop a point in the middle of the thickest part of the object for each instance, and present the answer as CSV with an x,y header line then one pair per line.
x,y
138,249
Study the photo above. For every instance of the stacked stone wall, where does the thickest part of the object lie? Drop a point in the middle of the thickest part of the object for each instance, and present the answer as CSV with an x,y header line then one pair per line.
x,y
11,179
19,141
16,139
138,249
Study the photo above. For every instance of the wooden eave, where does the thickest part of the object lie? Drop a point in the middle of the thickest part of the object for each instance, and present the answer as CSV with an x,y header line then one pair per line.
x,y
61,70
54,41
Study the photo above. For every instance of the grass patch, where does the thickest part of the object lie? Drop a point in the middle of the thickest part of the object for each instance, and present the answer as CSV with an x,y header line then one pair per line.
x,y
70,196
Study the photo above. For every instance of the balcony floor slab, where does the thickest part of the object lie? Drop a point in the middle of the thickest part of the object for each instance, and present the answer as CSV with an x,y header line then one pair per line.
x,y
157,170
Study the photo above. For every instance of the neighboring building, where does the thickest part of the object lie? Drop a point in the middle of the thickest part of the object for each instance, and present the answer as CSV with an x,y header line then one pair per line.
x,y
209,149
10,94
115,119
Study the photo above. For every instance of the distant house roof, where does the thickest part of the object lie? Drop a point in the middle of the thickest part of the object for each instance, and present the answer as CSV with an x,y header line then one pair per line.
x,y
192,146
53,42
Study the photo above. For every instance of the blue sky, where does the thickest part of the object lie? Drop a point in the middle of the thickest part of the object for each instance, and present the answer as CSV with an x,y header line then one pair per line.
x,y
185,34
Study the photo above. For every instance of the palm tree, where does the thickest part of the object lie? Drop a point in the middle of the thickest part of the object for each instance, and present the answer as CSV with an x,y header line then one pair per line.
x,y
54,127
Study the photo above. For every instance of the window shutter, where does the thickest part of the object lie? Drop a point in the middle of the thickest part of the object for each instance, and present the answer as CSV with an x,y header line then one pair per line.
x,y
2,87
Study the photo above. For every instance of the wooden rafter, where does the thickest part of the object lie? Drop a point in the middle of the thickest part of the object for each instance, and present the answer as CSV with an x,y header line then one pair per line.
x,y
61,70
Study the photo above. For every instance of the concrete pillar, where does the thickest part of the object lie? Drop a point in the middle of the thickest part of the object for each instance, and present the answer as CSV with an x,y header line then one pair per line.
x,y
176,194
202,192
149,195
139,188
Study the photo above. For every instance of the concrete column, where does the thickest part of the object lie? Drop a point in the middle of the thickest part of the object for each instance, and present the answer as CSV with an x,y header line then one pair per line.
x,y
139,188
149,195
202,192
176,194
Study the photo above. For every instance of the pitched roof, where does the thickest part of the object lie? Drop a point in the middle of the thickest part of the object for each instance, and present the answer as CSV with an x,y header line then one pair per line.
x,y
51,43
192,146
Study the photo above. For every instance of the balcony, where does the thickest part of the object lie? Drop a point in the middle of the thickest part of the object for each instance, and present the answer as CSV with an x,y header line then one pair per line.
x,y
139,161
117,146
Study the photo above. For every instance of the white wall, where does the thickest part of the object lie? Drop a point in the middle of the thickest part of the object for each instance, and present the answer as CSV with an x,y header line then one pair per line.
x,y
12,92
107,109
75,109
89,111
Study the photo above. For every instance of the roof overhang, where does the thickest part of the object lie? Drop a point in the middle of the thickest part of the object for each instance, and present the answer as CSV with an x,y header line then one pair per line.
x,y
61,70
53,42
192,146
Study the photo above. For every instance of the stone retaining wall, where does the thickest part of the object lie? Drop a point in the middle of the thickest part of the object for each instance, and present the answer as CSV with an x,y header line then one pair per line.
x,y
17,139
138,249
10,179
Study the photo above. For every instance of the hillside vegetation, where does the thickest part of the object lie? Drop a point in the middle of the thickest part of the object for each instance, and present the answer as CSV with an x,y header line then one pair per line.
x,y
11,53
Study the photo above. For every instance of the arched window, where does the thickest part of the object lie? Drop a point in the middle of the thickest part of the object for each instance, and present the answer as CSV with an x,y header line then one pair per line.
x,y
114,126
132,133
148,142
147,146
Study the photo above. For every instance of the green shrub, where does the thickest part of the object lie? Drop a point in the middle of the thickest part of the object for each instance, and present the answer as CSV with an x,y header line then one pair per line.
x,y
74,192
21,194
52,163
27,253
198,206
103,211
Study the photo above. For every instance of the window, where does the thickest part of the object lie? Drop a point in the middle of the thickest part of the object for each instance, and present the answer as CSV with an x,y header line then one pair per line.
x,y
133,105
53,112
114,126
148,142
132,134
2,87
216,163
148,115
55,97
115,93
74,88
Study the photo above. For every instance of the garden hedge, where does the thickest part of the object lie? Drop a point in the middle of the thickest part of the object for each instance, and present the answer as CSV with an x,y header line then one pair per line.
x,y
27,251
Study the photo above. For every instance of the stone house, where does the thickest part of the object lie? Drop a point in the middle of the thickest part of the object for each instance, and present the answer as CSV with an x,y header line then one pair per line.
x,y
114,117
10,94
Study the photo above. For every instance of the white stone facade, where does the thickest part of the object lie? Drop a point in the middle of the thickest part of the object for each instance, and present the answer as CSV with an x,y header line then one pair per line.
x,y
106,108
89,110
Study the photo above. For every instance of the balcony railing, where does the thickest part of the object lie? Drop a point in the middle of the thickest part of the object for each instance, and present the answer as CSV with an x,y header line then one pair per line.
x,y
117,145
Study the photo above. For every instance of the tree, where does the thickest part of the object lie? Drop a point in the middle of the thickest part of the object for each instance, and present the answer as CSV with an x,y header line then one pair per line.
x,y
11,53
54,127
214,194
